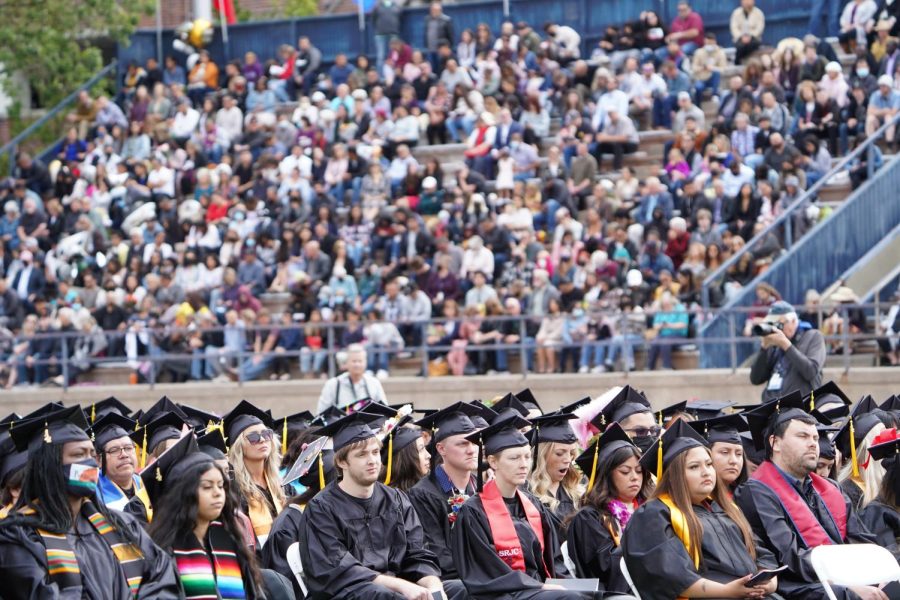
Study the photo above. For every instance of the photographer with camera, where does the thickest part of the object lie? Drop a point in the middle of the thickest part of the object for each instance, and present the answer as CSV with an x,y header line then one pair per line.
x,y
791,356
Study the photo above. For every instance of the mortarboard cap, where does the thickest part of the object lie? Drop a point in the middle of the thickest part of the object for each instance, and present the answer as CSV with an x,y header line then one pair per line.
x,y
108,405
161,407
170,465
508,406
11,460
763,419
708,409
110,426
242,416
10,419
726,429
678,438
864,417
500,436
829,400
571,408
885,445
891,404
751,452
44,410
526,397
484,418
627,402
329,415
606,443
668,413
199,419
456,419
553,427
352,428
213,442
306,461
166,427
322,471
826,446
292,424
57,427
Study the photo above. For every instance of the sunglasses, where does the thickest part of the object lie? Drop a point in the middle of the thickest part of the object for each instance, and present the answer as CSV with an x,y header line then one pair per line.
x,y
644,431
257,437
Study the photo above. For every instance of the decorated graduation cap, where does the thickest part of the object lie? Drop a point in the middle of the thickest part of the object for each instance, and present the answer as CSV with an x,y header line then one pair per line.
x,y
166,427
350,429
456,419
308,460
829,400
526,397
321,472
106,406
499,436
242,416
161,407
678,438
886,448
172,464
608,442
627,402
708,409
111,426
726,429
398,438
197,418
56,427
864,417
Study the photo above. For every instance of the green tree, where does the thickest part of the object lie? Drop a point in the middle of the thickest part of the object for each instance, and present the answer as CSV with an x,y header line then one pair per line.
x,y
301,8
50,40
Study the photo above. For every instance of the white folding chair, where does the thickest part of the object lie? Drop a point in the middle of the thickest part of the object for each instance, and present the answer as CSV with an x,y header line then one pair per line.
x,y
296,565
853,564
570,564
624,568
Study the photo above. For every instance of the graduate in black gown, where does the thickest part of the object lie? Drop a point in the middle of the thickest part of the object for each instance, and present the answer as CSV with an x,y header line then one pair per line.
x,y
723,435
406,459
689,539
792,509
97,553
12,467
504,541
553,479
363,540
860,479
881,516
617,486
439,495
631,410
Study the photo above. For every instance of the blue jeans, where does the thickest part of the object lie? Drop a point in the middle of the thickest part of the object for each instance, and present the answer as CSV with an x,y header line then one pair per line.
x,y
251,370
380,356
459,128
381,47
711,84
626,344
831,10
662,110
312,361
598,349
662,346
546,219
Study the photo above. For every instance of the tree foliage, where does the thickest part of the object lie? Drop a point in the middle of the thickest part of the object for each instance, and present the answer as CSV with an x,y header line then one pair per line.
x,y
50,41
300,8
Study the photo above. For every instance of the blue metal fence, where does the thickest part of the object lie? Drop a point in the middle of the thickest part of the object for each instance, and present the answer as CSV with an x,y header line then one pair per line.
x,y
819,257
340,33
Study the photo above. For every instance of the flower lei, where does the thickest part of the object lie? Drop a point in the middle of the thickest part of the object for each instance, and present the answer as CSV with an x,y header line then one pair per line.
x,y
620,511
456,500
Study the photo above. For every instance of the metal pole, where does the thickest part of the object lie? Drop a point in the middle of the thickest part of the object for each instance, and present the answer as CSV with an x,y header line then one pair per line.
x,y
870,160
152,358
506,9
788,233
159,27
424,352
331,360
733,343
65,361
523,351
845,341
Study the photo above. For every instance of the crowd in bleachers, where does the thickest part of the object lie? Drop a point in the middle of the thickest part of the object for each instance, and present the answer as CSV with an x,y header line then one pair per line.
x,y
470,177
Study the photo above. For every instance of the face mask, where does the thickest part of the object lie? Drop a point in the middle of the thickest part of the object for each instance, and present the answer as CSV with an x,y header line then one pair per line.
x,y
710,47
578,313
644,442
862,72
81,478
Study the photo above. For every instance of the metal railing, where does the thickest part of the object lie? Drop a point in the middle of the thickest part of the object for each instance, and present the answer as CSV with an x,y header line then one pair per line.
x,y
785,220
155,360
11,148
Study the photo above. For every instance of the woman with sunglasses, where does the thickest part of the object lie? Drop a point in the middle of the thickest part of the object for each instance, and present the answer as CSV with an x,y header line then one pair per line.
x,y
690,539
254,455
617,486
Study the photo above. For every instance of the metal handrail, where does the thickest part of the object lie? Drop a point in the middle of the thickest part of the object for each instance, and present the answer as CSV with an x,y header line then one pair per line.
x,y
785,218
11,146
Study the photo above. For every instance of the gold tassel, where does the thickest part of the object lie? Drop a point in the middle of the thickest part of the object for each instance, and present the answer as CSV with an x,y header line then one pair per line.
x,y
812,401
284,437
93,413
159,476
853,449
659,460
48,439
390,461
594,466
321,473
144,450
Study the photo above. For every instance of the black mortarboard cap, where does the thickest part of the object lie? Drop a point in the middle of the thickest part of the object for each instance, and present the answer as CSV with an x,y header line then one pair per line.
x,y
484,418
165,427
197,418
170,465
10,419
764,418
213,443
456,419
708,409
726,429
609,441
553,427
751,452
242,416
831,396
161,407
350,429
885,445
502,435
108,405
668,413
508,406
826,446
46,409
57,427
864,416
891,404
627,402
11,460
111,426
328,416
395,441
526,397
678,438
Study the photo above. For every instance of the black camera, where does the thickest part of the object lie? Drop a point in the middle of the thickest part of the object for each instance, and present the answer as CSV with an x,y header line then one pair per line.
x,y
764,329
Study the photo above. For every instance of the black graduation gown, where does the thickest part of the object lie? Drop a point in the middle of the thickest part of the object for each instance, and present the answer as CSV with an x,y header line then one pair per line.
x,y
432,506
23,566
485,574
285,531
593,550
350,541
884,523
659,563
138,510
853,493
776,531
565,508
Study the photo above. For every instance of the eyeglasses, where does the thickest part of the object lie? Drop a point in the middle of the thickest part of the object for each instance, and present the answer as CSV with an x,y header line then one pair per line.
x,y
644,431
117,450
257,437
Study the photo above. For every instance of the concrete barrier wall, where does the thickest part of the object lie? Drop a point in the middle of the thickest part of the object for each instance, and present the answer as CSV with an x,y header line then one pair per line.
x,y
662,387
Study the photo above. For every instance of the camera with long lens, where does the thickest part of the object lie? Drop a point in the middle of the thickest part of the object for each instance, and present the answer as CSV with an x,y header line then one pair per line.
x,y
764,329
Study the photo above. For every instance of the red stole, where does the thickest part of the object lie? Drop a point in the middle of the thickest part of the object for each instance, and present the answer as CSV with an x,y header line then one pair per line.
x,y
506,541
808,527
